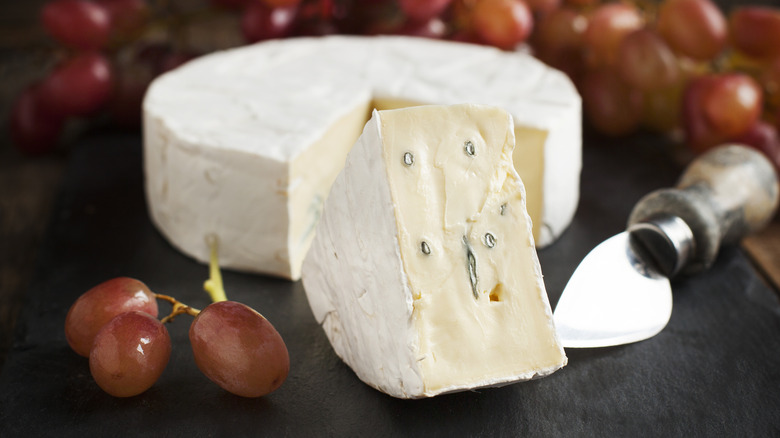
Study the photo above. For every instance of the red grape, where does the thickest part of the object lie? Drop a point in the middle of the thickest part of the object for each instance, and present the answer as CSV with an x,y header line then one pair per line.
x,y
607,27
238,349
433,28
259,22
129,354
502,23
77,24
699,134
763,136
755,30
646,62
316,18
423,10
558,40
695,28
79,86
732,104
611,106
33,129
100,304
561,29
127,16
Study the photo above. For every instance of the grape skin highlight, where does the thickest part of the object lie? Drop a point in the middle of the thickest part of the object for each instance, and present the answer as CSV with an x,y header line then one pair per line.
x,y
129,354
423,10
99,305
78,86
733,103
77,24
608,25
502,23
260,22
695,28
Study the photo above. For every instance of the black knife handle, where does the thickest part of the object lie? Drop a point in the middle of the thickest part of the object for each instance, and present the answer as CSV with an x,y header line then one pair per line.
x,y
722,196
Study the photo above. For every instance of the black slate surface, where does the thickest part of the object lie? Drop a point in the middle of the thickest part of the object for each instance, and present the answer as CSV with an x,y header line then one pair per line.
x,y
714,371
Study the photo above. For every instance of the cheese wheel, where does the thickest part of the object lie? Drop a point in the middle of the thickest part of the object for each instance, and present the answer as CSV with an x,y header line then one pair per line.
x,y
244,144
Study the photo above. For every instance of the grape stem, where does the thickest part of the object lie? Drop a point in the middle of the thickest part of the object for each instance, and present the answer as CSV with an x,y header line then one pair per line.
x,y
214,284
178,308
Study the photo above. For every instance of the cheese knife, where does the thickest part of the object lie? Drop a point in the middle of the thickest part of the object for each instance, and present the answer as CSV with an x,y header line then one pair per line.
x,y
621,293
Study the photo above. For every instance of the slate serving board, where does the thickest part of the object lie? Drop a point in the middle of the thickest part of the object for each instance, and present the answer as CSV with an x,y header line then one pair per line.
x,y
714,371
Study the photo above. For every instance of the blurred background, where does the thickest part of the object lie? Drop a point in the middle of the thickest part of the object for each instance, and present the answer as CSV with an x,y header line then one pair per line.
x,y
27,184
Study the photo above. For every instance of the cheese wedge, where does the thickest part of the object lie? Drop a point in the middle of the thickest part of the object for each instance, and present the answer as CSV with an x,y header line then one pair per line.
x,y
245,143
423,271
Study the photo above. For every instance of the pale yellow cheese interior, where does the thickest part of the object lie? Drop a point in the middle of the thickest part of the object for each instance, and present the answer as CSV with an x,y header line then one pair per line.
x,y
310,183
479,304
528,159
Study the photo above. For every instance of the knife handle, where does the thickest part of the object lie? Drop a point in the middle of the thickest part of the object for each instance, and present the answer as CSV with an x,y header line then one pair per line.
x,y
722,196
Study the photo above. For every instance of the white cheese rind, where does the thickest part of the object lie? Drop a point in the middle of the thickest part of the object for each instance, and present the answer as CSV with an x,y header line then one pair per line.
x,y
405,319
367,321
189,203
265,105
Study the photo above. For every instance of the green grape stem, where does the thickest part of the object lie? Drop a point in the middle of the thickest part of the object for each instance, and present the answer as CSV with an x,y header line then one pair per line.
x,y
214,284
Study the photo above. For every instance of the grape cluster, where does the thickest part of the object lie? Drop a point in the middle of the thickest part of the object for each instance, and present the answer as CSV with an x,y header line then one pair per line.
x,y
84,80
673,66
115,325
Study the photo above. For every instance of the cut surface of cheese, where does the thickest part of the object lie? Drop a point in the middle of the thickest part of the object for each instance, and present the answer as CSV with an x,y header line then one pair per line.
x,y
245,143
423,271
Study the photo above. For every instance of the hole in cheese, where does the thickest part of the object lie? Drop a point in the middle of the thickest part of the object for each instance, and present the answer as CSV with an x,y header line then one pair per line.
x,y
497,293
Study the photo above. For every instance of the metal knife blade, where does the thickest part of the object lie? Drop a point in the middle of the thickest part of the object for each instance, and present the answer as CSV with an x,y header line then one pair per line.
x,y
602,311
620,293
